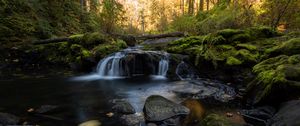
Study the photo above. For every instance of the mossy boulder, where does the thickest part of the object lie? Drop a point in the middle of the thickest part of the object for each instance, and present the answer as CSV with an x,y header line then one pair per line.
x,y
216,120
289,47
275,77
89,40
103,50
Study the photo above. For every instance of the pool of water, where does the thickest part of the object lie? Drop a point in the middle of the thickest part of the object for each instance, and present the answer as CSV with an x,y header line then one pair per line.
x,y
80,99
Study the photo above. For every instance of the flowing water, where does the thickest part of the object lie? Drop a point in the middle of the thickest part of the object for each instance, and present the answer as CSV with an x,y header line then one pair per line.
x,y
131,74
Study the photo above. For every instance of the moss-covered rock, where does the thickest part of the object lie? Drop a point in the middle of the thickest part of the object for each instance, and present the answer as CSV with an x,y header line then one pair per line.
x,y
216,120
275,76
290,47
89,40
233,61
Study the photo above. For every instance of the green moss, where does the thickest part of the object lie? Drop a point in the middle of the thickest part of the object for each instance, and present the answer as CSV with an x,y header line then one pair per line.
x,y
290,47
227,33
233,61
121,44
85,53
270,64
214,39
247,46
262,32
294,59
193,40
246,55
225,47
103,50
274,73
76,39
216,120
244,37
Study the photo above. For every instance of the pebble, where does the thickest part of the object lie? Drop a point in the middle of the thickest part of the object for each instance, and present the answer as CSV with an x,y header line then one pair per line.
x,y
229,114
110,114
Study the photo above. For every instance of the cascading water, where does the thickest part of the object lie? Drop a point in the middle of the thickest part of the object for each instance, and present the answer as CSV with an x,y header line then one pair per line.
x,y
133,61
163,67
111,66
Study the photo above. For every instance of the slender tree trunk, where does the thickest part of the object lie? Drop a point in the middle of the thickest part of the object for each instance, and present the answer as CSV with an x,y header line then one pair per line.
x,y
207,4
182,7
281,14
201,5
191,7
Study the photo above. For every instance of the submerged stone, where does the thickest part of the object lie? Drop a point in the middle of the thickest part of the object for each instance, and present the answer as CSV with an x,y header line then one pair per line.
x,y
132,119
91,123
123,106
8,119
158,108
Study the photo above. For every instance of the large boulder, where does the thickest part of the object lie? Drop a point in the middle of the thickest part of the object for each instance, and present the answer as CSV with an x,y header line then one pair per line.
x,y
275,77
206,90
288,115
289,47
158,108
258,116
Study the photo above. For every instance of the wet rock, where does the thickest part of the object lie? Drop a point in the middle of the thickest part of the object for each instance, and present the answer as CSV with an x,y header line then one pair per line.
x,y
151,124
132,119
8,119
288,115
175,121
158,108
123,106
91,123
258,116
204,89
46,109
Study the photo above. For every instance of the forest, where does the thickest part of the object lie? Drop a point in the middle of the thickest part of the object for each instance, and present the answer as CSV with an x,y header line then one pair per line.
x,y
150,62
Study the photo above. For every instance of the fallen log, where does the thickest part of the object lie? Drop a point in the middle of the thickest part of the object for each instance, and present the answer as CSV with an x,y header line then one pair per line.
x,y
53,40
157,36
129,39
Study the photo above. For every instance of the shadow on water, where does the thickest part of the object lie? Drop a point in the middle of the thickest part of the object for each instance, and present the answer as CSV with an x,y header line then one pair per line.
x,y
79,100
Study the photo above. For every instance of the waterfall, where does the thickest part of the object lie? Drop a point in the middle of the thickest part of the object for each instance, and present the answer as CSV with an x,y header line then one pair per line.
x,y
111,66
131,62
163,67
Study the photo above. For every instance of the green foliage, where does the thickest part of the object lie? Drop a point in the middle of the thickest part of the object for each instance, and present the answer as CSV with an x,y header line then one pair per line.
x,y
247,46
23,20
111,15
216,120
289,47
233,61
185,23
224,17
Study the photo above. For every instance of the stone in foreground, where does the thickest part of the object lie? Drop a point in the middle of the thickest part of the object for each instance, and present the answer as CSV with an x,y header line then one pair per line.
x,y
158,108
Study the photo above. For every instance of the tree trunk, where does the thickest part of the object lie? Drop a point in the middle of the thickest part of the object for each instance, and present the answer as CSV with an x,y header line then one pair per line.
x,y
173,34
201,5
280,15
182,7
207,4
191,7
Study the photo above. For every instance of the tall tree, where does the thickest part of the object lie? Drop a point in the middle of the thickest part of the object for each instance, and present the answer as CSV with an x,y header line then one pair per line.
x,y
191,7
111,14
201,5
207,4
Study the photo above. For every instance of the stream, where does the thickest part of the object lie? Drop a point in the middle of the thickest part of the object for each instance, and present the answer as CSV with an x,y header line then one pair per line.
x,y
130,74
